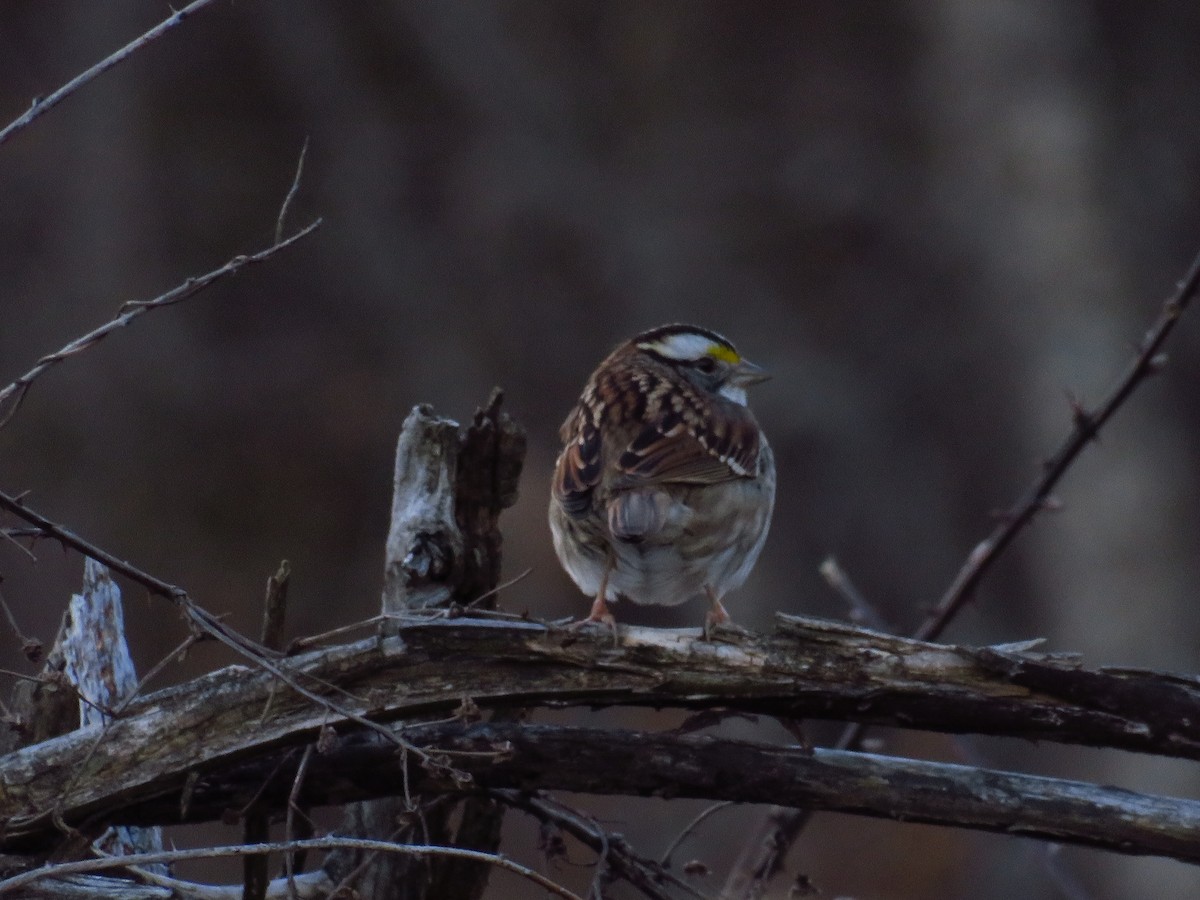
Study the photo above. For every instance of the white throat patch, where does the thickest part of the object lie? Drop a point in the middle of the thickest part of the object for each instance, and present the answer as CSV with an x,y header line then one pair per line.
x,y
734,393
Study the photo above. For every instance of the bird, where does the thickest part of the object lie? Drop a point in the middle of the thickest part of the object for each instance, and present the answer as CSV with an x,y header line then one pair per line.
x,y
665,485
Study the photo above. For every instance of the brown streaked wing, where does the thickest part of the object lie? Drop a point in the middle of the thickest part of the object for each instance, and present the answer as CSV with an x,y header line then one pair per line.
x,y
664,451
578,470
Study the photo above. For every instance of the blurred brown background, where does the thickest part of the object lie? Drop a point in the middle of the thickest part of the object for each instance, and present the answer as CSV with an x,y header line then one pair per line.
x,y
930,220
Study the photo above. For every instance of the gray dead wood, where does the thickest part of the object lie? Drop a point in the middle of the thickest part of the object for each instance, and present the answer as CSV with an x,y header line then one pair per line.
x,y
99,665
511,756
443,548
808,668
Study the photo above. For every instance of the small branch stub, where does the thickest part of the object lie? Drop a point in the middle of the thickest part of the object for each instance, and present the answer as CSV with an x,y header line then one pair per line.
x,y
443,548
449,489
98,663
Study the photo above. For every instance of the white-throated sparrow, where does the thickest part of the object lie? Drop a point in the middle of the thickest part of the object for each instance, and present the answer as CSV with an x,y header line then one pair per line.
x,y
665,484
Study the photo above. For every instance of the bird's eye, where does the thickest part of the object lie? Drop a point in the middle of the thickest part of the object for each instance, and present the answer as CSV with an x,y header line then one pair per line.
x,y
707,365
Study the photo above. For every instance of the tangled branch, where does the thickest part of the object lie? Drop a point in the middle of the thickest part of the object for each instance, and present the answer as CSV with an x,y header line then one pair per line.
x,y
133,861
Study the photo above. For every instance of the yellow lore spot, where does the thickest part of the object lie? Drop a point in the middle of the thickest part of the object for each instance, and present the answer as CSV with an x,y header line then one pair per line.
x,y
724,354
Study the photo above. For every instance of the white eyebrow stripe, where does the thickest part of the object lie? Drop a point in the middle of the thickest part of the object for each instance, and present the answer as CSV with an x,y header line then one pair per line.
x,y
682,346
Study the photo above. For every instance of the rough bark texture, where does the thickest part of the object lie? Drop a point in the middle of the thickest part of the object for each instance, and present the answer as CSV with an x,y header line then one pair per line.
x,y
808,668
98,663
507,756
443,548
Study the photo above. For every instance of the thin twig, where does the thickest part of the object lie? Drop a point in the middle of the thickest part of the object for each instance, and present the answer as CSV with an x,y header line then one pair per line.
x,y
12,621
44,104
343,887
256,825
293,806
287,201
68,538
1086,426
180,651
310,640
59,870
14,394
644,874
23,676
265,783
665,859
491,592
862,610
11,535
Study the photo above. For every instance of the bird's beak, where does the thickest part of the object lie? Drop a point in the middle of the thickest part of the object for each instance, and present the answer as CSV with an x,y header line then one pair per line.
x,y
747,373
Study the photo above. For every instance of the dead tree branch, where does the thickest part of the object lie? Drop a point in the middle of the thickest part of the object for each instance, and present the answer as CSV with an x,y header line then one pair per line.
x,y
187,736
511,757
443,547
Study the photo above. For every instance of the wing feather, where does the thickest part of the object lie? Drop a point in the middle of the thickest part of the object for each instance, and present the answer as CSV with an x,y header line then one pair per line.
x,y
679,438
667,452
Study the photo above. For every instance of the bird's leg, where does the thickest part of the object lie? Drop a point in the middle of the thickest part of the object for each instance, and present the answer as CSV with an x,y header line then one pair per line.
x,y
716,615
600,612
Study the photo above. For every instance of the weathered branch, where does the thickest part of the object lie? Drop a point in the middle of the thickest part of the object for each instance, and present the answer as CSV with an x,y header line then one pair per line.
x,y
614,761
44,104
808,668
443,548
98,664
509,756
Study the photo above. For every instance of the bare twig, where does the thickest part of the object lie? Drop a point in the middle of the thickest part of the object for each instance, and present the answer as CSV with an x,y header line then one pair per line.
x,y
256,826
644,874
12,623
58,870
14,394
178,652
66,537
689,828
491,592
862,610
311,640
1086,425
293,807
11,535
766,849
44,104
287,201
